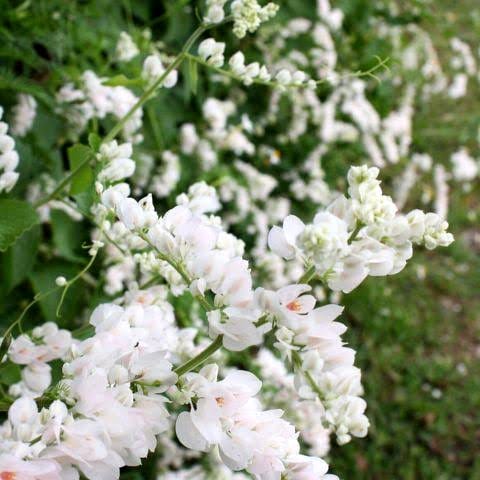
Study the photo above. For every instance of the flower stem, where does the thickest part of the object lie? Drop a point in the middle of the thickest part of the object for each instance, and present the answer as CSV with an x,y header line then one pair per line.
x,y
202,357
308,275
63,183
297,362
355,232
148,93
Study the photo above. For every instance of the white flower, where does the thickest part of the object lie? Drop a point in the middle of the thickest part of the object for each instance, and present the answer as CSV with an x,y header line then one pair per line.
x,y
237,327
283,240
237,63
302,467
215,12
465,168
212,52
286,303
126,48
136,215
37,377
153,69
284,77
84,445
13,468
324,241
8,158
24,113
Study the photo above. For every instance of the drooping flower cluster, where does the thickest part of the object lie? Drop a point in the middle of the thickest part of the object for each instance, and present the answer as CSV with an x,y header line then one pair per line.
x,y
323,365
35,351
212,52
358,236
8,158
109,406
92,99
126,48
228,415
23,113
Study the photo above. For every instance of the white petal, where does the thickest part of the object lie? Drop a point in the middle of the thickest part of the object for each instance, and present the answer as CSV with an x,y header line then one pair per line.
x,y
249,382
188,434
292,226
278,243
291,292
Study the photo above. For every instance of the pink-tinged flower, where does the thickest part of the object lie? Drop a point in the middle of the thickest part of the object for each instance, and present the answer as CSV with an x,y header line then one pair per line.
x,y
13,468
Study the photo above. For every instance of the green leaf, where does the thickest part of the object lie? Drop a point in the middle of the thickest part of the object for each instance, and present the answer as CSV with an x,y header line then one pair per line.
x,y
123,81
10,373
84,177
16,217
18,260
94,141
68,235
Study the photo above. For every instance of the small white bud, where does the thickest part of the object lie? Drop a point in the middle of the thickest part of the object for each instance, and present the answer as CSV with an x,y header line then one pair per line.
x,y
61,281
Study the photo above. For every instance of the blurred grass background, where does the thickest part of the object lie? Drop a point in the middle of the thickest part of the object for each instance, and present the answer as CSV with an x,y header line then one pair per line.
x,y
418,335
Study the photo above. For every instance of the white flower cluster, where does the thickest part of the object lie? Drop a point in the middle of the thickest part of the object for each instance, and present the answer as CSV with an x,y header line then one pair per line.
x,y
95,100
358,236
248,15
110,404
217,137
465,65
280,392
228,415
126,49
324,366
46,343
23,115
212,52
153,69
8,158
207,258
465,168
164,182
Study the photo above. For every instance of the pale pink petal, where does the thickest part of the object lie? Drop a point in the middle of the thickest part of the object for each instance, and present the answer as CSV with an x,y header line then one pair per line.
x,y
278,243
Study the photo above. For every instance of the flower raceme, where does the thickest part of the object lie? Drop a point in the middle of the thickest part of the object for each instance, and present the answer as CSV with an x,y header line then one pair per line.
x,y
358,236
228,415
110,405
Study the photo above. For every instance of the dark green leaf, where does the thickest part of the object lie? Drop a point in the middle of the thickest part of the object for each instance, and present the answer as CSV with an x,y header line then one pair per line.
x,y
9,373
18,260
84,177
68,235
94,141
123,81
16,217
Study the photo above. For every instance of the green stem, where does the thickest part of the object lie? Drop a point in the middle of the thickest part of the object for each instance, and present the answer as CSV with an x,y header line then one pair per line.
x,y
203,356
308,275
297,362
275,84
72,281
148,93
355,233
62,184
